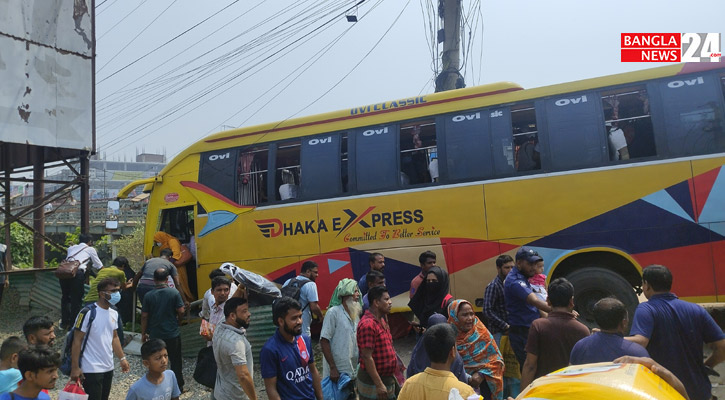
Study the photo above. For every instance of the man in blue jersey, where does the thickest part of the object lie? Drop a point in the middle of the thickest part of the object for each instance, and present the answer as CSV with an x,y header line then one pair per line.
x,y
674,331
288,363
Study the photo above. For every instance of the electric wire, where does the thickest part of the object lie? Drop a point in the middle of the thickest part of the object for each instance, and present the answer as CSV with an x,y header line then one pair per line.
x,y
354,67
217,61
121,20
205,92
136,37
133,97
176,37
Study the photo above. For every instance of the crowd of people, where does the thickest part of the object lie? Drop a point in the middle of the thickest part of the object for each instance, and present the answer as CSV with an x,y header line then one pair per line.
x,y
528,330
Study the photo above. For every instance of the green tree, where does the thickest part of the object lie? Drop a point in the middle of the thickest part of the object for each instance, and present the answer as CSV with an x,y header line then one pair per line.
x,y
21,245
131,246
72,238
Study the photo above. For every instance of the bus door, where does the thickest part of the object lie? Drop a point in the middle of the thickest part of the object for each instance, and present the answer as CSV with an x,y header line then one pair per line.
x,y
179,223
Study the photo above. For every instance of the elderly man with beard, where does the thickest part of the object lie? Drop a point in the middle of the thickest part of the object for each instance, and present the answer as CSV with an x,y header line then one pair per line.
x,y
233,353
339,330
287,359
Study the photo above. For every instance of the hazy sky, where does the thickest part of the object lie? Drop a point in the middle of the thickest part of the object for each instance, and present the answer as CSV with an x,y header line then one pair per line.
x,y
263,61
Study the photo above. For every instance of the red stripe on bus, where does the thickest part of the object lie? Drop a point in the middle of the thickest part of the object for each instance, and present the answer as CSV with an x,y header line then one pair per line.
x,y
211,192
472,96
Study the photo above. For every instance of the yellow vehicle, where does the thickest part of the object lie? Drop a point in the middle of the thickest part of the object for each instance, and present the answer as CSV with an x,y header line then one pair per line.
x,y
601,176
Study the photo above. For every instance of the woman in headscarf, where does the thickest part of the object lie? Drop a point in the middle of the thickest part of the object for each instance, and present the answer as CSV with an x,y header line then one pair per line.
x,y
419,359
181,255
432,296
479,351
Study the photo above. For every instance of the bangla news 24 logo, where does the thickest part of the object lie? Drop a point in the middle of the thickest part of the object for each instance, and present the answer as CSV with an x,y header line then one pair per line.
x,y
671,47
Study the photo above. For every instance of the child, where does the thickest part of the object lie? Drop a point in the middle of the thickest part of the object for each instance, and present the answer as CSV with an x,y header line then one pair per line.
x,y
9,372
538,281
39,367
159,383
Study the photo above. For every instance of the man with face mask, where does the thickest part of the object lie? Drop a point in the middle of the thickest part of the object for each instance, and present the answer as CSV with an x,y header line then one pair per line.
x,y
233,353
94,368
160,313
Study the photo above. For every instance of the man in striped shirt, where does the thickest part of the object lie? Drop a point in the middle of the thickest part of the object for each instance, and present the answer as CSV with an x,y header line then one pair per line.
x,y
494,307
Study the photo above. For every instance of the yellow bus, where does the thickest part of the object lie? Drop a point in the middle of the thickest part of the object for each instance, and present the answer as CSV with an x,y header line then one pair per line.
x,y
602,177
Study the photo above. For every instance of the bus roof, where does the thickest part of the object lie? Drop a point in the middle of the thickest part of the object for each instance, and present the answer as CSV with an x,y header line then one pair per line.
x,y
417,107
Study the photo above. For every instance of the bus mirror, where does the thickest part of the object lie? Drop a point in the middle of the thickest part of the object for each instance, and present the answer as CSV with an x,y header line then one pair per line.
x,y
112,211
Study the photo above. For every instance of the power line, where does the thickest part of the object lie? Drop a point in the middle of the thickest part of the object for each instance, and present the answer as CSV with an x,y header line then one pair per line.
x,y
356,65
136,37
169,41
121,20
185,103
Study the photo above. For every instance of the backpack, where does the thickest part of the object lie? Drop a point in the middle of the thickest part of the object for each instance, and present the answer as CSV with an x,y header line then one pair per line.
x,y
66,362
294,289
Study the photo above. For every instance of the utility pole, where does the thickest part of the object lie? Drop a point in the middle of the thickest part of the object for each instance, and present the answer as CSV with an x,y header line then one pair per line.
x,y
449,77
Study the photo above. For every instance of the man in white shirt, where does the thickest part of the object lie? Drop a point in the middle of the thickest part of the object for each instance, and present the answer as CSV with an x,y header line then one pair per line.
x,y
209,299
94,335
72,289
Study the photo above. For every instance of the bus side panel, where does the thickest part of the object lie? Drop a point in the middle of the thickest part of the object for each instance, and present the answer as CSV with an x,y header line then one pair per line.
x,y
708,188
263,234
474,264
645,211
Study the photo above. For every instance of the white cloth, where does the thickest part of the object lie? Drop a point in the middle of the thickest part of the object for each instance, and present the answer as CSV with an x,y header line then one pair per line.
x,y
341,331
85,252
617,141
98,356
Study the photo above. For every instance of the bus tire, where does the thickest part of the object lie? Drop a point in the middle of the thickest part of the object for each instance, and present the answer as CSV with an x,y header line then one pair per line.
x,y
594,283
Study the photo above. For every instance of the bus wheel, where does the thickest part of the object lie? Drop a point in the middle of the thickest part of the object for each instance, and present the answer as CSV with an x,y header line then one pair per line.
x,y
594,283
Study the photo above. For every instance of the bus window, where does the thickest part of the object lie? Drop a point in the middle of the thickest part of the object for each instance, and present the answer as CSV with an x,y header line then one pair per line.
x,y
526,150
502,146
252,176
628,123
417,152
574,131
216,171
287,176
376,160
467,145
321,163
693,115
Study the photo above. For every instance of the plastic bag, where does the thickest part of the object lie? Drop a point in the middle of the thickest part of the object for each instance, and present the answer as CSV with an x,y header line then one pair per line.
x,y
252,281
72,391
206,329
601,381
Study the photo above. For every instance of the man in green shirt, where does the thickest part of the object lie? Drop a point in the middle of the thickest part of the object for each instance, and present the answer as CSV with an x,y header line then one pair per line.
x,y
105,272
160,313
